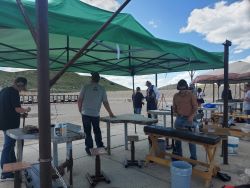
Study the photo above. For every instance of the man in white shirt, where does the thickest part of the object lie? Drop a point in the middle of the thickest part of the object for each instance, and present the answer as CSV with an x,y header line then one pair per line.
x,y
152,97
90,100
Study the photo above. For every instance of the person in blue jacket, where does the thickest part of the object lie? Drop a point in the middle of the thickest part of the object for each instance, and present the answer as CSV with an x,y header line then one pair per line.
x,y
138,101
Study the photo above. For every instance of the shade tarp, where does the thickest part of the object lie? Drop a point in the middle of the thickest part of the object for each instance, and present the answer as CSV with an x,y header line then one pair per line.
x,y
124,48
238,72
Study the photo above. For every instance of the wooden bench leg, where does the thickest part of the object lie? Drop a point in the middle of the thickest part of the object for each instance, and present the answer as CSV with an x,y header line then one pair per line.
x,y
156,156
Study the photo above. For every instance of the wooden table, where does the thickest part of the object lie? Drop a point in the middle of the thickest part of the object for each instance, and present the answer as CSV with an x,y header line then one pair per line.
x,y
224,131
72,134
232,105
234,115
208,109
164,113
125,118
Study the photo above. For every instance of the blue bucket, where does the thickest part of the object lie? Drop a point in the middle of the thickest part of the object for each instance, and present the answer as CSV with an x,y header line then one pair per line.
x,y
181,172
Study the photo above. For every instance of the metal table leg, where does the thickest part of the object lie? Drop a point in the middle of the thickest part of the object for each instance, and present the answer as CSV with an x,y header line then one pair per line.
x,y
55,154
108,139
164,120
126,135
69,159
18,175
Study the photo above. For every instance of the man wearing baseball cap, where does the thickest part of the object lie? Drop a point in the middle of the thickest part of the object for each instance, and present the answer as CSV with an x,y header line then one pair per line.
x,y
10,111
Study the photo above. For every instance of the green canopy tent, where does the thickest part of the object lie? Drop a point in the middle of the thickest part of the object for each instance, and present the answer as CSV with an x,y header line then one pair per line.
x,y
124,48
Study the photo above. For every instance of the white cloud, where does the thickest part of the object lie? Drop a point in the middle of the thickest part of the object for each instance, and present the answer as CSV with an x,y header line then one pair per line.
x,y
110,5
174,79
163,79
221,22
153,24
246,59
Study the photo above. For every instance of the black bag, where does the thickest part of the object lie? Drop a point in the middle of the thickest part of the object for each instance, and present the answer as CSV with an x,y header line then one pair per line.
x,y
200,101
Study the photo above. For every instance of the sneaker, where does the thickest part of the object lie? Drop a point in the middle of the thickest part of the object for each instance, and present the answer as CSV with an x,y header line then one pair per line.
x,y
6,179
88,151
103,147
9,177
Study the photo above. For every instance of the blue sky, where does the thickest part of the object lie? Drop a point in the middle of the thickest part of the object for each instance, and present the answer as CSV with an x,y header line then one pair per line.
x,y
203,23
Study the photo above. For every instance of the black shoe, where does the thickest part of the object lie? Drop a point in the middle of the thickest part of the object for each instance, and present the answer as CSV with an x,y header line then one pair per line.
x,y
193,164
223,176
7,177
88,151
168,147
174,159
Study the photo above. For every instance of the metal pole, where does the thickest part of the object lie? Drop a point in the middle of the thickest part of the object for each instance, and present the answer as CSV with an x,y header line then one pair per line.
x,y
133,82
67,48
191,73
218,91
156,80
43,93
235,92
132,69
226,87
213,93
88,43
27,20
239,90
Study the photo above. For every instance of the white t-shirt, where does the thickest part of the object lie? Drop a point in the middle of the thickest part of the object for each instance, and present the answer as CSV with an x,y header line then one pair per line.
x,y
200,95
157,93
246,103
93,95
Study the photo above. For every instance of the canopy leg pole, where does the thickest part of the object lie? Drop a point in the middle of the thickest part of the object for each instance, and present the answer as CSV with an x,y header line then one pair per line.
x,y
43,93
218,91
156,80
213,93
226,87
27,20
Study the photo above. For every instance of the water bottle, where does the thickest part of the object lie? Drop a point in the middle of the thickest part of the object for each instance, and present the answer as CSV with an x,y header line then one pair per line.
x,y
64,129
197,128
60,129
57,130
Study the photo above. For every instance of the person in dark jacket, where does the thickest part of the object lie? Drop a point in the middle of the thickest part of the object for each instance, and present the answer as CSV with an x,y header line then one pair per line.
x,y
138,101
10,112
152,97
229,94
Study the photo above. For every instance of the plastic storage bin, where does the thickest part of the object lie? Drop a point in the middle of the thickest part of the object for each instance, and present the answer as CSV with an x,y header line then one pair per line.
x,y
233,144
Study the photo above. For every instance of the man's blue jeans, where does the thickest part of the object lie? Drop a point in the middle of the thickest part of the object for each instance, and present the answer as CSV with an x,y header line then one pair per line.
x,y
182,122
95,122
247,112
8,153
137,110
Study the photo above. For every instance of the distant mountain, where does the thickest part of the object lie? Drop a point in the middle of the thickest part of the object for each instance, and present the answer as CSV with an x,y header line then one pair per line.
x,y
171,86
69,82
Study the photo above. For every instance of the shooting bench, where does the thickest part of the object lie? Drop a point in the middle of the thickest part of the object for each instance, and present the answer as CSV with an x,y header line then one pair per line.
x,y
209,142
